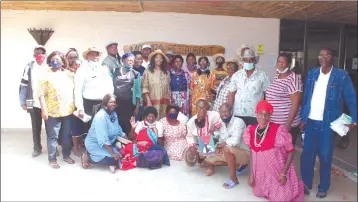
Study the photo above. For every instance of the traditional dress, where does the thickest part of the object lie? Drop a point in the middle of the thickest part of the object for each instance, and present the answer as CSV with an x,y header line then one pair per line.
x,y
174,139
180,90
158,87
217,76
268,162
201,88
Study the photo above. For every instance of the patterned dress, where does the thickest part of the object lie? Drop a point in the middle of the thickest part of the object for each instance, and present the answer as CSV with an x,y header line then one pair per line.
x,y
268,162
217,76
157,85
174,139
201,88
180,89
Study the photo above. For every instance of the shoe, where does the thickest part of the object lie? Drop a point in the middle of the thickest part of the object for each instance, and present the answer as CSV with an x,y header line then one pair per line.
x,y
321,194
36,153
240,170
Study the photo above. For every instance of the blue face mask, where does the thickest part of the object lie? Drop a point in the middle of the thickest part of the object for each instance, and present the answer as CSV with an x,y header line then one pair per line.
x,y
249,66
227,120
172,116
55,64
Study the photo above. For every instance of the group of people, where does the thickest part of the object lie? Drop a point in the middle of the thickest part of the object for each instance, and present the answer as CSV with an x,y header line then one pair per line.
x,y
150,100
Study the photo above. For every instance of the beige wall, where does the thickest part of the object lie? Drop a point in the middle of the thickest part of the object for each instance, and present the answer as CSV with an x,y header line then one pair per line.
x,y
84,29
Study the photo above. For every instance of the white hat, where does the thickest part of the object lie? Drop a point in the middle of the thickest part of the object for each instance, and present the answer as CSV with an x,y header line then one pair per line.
x,y
146,46
111,43
169,52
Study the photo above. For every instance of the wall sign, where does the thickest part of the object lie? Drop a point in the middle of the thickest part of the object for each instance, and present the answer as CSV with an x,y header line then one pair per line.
x,y
178,49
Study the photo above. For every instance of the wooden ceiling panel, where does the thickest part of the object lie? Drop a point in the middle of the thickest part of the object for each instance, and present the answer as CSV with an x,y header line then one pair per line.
x,y
328,11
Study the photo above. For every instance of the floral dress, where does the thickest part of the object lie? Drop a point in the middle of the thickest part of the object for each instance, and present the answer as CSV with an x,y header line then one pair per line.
x,y
174,139
180,90
201,89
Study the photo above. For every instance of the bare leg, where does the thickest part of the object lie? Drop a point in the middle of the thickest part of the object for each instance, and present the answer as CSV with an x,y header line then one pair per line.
x,y
231,162
76,143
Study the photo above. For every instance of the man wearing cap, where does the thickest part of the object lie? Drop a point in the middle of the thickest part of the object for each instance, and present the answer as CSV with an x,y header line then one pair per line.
x,y
29,98
146,50
247,88
113,60
169,55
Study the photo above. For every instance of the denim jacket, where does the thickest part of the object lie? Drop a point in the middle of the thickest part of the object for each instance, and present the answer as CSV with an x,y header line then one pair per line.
x,y
340,87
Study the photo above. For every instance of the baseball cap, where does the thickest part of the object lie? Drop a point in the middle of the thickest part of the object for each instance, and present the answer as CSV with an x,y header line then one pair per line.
x,y
146,46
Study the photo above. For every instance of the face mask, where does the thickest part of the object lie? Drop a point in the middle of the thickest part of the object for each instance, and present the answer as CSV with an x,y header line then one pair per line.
x,y
55,64
220,63
172,116
39,59
127,68
283,71
248,66
204,70
149,125
227,120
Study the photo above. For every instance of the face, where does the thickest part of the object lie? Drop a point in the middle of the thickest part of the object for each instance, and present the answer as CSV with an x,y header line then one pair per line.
x,y
56,62
220,60
170,58
325,58
72,57
249,60
138,60
111,105
112,49
203,64
282,63
158,59
202,109
178,63
231,69
224,112
190,61
263,118
172,111
129,62
243,51
93,56
40,56
146,52
150,118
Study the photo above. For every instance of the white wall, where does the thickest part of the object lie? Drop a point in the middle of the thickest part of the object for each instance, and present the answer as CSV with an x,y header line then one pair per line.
x,y
84,29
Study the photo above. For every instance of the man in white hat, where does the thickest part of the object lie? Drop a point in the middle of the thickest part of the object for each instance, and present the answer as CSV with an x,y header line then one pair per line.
x,y
113,60
146,50
247,88
29,98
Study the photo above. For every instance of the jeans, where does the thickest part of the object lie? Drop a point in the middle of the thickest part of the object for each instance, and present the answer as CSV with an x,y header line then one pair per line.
x,y
319,140
55,128
36,121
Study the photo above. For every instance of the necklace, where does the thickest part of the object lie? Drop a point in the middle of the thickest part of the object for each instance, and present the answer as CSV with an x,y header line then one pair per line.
x,y
263,134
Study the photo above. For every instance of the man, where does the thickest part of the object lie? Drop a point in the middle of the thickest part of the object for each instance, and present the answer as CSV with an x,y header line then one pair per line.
x,y
230,150
170,56
240,53
247,88
325,89
113,60
29,98
146,50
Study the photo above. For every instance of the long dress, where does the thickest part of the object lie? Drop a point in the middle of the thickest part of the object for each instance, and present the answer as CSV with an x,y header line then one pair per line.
x,y
201,88
268,162
158,87
174,139
180,90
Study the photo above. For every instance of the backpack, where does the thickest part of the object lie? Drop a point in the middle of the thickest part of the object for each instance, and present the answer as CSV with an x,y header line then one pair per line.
x,y
152,159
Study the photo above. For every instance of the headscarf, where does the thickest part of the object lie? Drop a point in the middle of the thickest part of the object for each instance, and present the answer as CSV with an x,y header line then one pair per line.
x,y
127,55
264,105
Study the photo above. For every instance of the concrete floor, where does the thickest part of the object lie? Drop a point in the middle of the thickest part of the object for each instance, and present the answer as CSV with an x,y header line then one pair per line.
x,y
27,178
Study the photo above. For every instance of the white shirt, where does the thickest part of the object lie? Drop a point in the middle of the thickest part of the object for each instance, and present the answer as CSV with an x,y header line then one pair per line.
x,y
249,91
319,96
92,81
158,125
232,133
145,64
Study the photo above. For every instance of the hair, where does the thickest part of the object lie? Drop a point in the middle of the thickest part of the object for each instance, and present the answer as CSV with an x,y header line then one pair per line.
x,y
169,107
287,56
106,99
163,67
150,110
329,50
62,56
227,105
127,55
199,72
176,57
72,50
191,55
135,53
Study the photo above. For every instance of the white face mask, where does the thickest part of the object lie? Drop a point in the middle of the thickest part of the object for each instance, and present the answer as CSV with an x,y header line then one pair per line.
x,y
283,71
249,66
149,125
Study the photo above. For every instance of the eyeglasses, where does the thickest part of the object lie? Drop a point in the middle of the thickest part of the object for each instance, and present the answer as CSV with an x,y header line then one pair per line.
x,y
324,56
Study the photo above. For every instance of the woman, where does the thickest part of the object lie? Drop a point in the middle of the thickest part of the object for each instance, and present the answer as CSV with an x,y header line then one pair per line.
x,y
174,133
285,94
219,73
190,63
73,62
102,136
57,106
155,86
180,85
127,88
139,68
92,82
200,84
222,91
273,175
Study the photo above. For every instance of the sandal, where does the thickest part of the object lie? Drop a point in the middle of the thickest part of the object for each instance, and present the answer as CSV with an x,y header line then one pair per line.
x,y
54,165
84,161
230,184
69,160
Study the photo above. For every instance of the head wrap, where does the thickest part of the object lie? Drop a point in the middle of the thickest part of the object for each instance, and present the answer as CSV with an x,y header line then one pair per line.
x,y
264,105
127,55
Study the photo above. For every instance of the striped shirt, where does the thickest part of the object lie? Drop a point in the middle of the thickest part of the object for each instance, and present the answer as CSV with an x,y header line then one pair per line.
x,y
278,95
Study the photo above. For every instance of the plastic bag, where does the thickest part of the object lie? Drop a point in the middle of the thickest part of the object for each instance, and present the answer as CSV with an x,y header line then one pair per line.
x,y
338,125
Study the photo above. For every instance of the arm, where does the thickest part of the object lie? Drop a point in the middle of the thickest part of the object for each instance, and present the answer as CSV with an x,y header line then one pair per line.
x,y
42,93
160,131
109,79
79,84
232,91
350,97
288,163
295,91
239,129
190,138
305,92
145,88
23,87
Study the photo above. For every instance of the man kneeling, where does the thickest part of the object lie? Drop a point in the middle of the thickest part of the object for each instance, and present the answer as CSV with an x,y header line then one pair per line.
x,y
230,149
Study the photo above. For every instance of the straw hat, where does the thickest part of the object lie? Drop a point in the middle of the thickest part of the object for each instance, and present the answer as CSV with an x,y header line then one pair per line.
x,y
91,49
217,55
231,60
250,53
238,51
157,52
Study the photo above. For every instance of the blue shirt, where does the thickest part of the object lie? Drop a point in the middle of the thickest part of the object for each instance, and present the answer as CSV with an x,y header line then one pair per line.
x,y
104,131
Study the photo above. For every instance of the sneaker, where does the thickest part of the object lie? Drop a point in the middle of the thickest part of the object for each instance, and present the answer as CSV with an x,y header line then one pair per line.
x,y
241,169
